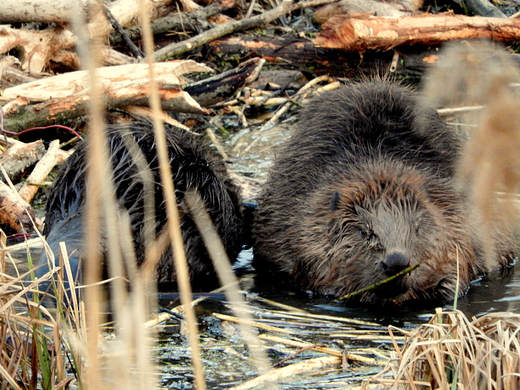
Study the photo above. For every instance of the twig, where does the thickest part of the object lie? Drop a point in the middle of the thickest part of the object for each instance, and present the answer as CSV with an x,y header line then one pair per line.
x,y
124,36
374,286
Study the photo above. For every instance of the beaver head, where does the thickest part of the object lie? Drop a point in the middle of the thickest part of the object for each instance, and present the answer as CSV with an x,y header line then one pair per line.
x,y
367,224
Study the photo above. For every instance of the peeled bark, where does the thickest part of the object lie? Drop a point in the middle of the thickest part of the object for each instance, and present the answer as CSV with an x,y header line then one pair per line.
x,y
365,33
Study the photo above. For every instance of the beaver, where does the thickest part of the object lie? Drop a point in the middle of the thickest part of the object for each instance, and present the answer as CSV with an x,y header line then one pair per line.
x,y
363,190
194,167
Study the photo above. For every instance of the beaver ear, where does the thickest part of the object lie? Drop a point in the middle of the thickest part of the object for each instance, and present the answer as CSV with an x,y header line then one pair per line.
x,y
334,202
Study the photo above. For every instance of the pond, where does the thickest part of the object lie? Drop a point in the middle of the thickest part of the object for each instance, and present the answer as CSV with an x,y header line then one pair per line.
x,y
332,324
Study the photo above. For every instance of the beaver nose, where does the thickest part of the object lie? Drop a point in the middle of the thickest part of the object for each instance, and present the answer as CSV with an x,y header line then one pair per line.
x,y
395,263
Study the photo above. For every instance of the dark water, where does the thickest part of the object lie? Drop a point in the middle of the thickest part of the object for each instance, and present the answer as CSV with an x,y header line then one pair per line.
x,y
225,356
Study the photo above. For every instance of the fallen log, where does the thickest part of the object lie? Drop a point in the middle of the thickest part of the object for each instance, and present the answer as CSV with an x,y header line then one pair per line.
x,y
302,54
66,96
41,170
60,98
15,212
361,33
179,22
19,156
371,7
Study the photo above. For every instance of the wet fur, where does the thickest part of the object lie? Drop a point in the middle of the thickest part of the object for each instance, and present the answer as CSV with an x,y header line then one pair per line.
x,y
193,167
367,173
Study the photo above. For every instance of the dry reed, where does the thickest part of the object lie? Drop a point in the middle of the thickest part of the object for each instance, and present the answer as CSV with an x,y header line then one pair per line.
x,y
452,352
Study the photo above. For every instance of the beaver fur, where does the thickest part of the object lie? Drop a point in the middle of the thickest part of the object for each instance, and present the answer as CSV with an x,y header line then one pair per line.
x,y
193,167
363,189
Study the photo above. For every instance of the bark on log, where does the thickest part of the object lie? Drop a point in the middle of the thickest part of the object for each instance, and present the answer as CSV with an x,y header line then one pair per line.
x,y
114,78
57,11
303,55
19,156
15,212
63,109
41,171
365,33
65,96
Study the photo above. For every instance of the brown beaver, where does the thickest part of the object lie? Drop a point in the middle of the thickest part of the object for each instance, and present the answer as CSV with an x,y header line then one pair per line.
x,y
193,167
364,189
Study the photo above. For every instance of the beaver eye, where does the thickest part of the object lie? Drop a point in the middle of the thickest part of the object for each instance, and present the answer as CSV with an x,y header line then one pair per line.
x,y
363,233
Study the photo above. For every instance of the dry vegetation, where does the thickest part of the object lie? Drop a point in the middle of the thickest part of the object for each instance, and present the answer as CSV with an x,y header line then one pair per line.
x,y
71,346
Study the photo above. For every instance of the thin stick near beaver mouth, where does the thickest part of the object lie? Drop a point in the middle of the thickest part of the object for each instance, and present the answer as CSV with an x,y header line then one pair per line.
x,y
376,285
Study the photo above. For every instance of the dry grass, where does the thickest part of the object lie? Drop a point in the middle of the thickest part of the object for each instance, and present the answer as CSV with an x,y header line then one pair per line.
x,y
452,352
35,348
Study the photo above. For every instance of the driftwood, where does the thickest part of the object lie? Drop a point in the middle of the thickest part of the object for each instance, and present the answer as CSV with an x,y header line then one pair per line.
x,y
369,33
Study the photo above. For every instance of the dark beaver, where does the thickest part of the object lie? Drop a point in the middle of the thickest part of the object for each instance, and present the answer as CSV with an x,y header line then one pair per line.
x,y
364,189
193,167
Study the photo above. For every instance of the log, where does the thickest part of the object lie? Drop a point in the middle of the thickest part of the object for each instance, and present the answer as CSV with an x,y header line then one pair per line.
x,y
66,96
19,156
302,54
15,212
40,172
38,47
372,7
114,78
125,86
363,33
177,22
63,11
56,11
60,110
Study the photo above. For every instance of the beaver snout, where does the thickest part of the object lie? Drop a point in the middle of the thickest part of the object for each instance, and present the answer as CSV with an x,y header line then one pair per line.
x,y
394,263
